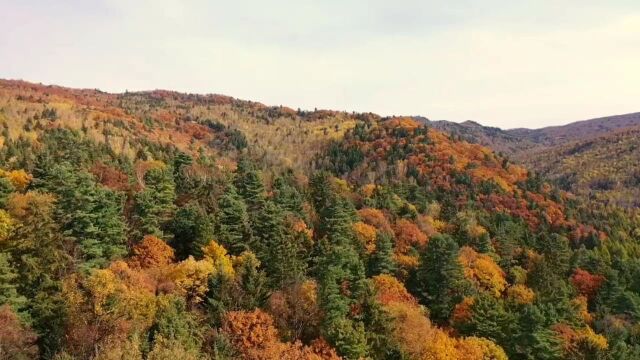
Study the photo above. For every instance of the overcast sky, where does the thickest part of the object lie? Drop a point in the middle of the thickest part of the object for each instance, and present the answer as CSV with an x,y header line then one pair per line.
x,y
524,63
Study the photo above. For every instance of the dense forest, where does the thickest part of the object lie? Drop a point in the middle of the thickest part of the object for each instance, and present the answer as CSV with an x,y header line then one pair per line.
x,y
173,226
596,159
603,169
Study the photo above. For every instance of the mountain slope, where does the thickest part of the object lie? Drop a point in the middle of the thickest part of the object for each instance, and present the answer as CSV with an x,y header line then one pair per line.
x,y
596,159
578,131
497,139
605,169
214,124
158,225
516,142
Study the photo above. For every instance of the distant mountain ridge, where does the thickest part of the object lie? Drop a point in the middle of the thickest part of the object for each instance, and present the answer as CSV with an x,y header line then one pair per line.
x,y
579,130
596,158
514,142
499,140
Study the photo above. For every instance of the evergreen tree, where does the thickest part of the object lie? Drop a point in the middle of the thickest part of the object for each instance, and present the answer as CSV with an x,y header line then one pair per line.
x,y
232,221
382,261
489,319
483,244
532,338
37,247
246,291
348,337
180,161
252,282
340,266
336,222
192,229
174,322
88,212
279,251
221,296
6,188
549,275
249,185
508,237
321,190
287,197
8,287
154,205
549,284
379,329
557,253
441,281
337,264
267,230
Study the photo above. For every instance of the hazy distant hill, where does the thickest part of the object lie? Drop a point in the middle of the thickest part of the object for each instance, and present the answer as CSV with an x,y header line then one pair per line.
x,y
605,168
597,158
497,139
514,142
579,130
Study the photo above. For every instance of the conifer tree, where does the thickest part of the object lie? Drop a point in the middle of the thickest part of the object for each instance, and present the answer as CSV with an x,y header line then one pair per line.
x,y
192,229
275,248
267,229
548,276
287,197
382,261
232,221
336,221
441,281
557,252
180,161
174,322
339,267
88,212
483,244
154,205
379,328
8,287
252,282
6,188
532,338
321,190
489,319
249,185
287,261
37,247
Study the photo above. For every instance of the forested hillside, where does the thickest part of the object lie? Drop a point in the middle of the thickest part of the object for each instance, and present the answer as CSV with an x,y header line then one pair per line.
x,y
499,140
579,130
160,225
605,169
596,159
211,125
518,143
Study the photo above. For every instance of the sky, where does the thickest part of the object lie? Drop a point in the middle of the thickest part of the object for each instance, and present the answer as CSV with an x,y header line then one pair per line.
x,y
506,63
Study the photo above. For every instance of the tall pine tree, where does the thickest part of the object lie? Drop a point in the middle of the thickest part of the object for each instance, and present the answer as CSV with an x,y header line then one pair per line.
x,y
441,282
8,288
192,229
249,185
275,248
88,212
232,221
154,205
37,247
287,197
382,261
